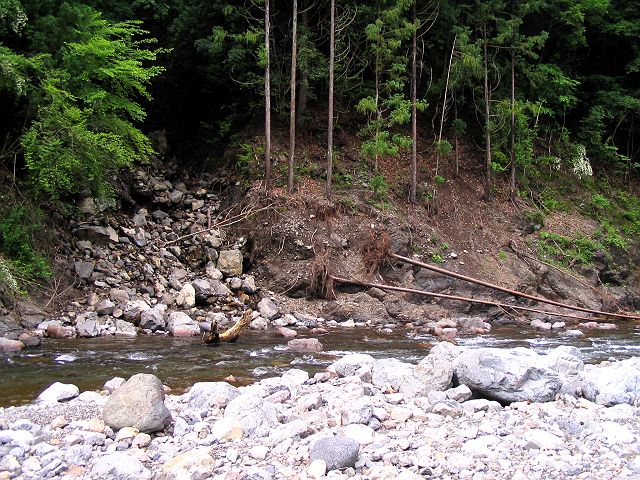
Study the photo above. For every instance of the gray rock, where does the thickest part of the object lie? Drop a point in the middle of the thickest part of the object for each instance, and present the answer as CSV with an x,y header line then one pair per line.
x,y
186,297
352,363
78,454
58,392
138,403
155,318
195,464
84,269
18,438
567,362
7,345
96,234
120,296
180,324
305,345
30,340
212,272
513,375
230,263
461,393
125,328
119,466
337,452
481,405
435,371
114,383
255,416
294,377
248,285
202,289
87,325
359,410
259,323
204,395
397,375
56,329
448,408
612,383
304,320
133,310
106,307
268,309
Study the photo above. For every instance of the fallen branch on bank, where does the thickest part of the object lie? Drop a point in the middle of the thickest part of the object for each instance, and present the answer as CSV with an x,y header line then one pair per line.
x,y
508,290
227,222
229,336
458,298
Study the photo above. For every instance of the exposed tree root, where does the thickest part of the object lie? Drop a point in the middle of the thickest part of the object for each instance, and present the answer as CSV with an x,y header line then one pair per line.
x,y
375,249
321,281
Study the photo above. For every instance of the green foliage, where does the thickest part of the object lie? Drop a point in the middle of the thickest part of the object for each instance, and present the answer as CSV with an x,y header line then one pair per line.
x,y
568,251
379,187
443,148
502,255
440,180
17,228
248,160
437,258
87,102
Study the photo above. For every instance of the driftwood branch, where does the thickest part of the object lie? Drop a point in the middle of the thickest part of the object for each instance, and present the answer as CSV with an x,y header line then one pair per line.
x,y
463,299
509,291
229,336
227,222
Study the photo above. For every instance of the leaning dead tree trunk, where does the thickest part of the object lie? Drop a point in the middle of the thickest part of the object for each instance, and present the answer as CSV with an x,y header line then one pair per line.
x,y
229,336
510,291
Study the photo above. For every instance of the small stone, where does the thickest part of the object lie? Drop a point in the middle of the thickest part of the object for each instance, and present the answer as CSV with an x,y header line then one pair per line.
x,y
259,452
317,468
337,452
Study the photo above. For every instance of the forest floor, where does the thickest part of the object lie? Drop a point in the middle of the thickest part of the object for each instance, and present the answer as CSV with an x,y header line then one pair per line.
x,y
555,243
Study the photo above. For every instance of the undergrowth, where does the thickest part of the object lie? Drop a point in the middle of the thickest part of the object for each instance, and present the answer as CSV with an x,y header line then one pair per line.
x,y
21,261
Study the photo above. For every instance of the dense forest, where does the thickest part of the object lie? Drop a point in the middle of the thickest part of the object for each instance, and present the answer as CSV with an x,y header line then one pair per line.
x,y
533,85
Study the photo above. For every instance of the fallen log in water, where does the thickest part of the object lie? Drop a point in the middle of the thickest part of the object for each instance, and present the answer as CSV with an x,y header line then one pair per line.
x,y
463,299
229,336
508,290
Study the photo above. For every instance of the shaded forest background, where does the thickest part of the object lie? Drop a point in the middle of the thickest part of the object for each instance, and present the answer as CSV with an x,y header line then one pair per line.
x,y
536,86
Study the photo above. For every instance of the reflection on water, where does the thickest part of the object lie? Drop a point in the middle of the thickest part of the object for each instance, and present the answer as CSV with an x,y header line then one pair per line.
x,y
179,363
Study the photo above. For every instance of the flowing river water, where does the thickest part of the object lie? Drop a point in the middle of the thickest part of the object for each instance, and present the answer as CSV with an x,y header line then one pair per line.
x,y
180,362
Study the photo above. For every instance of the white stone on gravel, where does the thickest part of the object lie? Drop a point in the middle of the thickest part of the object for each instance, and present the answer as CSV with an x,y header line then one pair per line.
x,y
120,466
58,392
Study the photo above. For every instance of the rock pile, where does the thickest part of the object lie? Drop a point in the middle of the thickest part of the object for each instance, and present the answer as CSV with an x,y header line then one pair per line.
x,y
363,419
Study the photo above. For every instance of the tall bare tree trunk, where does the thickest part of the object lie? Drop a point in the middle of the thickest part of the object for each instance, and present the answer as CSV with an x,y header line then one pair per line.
x,y
414,112
444,101
330,114
378,112
487,129
292,117
456,152
267,100
512,183
304,81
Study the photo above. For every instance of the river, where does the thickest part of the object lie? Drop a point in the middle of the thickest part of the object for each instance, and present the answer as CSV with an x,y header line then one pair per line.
x,y
179,362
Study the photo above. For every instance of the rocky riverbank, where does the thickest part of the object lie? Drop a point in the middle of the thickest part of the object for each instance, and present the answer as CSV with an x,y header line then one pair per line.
x,y
459,414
